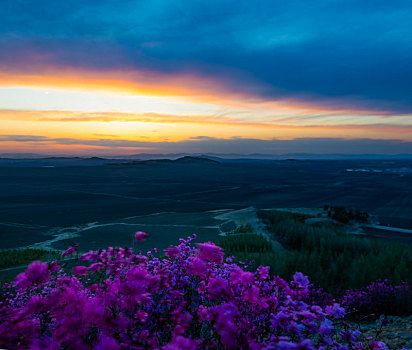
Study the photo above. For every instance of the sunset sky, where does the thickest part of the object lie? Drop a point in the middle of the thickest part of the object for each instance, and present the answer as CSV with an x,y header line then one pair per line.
x,y
106,77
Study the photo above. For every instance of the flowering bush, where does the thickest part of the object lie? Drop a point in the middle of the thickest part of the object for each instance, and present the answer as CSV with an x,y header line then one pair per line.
x,y
380,297
191,299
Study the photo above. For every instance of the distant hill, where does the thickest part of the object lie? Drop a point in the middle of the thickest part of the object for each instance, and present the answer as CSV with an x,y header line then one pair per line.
x,y
181,160
196,160
23,155
220,157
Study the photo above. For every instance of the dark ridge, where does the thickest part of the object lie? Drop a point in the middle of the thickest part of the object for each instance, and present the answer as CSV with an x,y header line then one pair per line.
x,y
95,158
190,159
143,162
60,158
182,160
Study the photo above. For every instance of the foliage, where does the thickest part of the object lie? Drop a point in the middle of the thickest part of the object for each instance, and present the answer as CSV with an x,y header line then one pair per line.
x,y
192,299
244,228
245,243
331,258
344,216
17,257
380,297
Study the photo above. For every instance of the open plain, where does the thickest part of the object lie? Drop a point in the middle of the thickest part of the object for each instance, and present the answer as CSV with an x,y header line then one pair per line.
x,y
103,204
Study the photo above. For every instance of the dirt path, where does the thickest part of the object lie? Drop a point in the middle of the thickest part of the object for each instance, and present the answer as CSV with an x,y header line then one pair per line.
x,y
244,217
389,228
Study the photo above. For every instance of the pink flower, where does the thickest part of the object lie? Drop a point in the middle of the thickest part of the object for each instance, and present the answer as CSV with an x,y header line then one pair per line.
x,y
140,236
54,266
68,252
145,302
37,273
263,272
378,345
198,267
251,295
80,270
210,252
138,273
225,324
238,276
96,267
172,252
90,256
217,288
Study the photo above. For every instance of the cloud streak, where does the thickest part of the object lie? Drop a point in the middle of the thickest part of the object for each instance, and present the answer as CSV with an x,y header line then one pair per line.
x,y
238,145
107,117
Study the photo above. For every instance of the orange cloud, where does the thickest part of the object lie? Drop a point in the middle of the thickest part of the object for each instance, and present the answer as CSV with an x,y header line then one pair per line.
x,y
140,83
184,86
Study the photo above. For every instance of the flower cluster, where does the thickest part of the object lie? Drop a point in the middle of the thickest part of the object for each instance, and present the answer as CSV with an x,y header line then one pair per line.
x,y
193,298
380,297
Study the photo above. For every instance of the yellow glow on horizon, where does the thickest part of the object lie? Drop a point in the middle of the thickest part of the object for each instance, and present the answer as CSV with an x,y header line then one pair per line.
x,y
184,88
25,123
74,105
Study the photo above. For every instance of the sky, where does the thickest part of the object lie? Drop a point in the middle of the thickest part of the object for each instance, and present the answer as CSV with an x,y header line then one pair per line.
x,y
109,77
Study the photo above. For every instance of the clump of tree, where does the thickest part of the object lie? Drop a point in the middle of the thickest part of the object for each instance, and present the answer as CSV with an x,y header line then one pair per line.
x,y
244,228
330,257
343,215
18,257
248,243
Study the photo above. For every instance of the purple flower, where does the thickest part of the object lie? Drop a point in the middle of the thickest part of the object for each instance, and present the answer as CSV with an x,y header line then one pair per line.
x,y
140,236
181,343
326,327
107,343
335,310
301,280
283,345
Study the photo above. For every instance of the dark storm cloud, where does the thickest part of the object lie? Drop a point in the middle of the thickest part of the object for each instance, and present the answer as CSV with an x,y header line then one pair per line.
x,y
354,53
203,144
